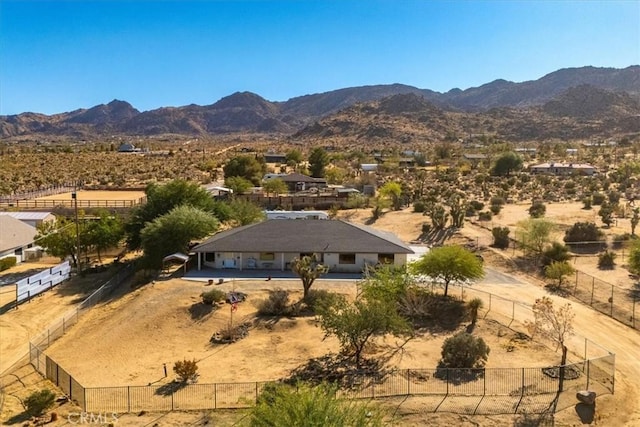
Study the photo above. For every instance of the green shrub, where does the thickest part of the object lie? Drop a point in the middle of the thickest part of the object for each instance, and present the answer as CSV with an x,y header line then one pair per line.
x,y
556,252
465,351
318,299
38,402
587,202
276,305
419,206
213,296
497,200
476,205
485,216
500,237
426,228
597,199
186,370
537,209
8,262
495,209
606,260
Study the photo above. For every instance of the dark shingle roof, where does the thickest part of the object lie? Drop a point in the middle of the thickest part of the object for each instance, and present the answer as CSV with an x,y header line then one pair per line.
x,y
307,235
298,177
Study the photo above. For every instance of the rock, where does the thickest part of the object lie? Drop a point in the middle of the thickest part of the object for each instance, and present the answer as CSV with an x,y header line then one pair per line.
x,y
586,396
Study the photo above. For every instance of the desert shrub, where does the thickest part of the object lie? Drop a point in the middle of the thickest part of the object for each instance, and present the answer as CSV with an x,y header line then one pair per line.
x,y
426,228
500,237
497,200
597,198
614,197
213,296
186,370
431,309
419,206
485,216
464,351
39,401
8,262
584,232
473,306
556,252
606,260
495,209
537,209
277,304
476,205
319,299
587,202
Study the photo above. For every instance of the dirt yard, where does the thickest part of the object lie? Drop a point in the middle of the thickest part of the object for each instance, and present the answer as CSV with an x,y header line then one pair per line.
x,y
128,340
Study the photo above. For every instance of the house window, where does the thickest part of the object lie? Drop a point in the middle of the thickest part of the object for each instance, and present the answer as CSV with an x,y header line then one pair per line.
x,y
209,256
386,258
347,259
267,256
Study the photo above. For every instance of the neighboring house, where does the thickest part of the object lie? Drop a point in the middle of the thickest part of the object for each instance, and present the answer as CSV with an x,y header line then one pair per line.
x,y
271,245
369,167
128,148
33,219
15,237
275,158
346,192
563,169
299,182
296,215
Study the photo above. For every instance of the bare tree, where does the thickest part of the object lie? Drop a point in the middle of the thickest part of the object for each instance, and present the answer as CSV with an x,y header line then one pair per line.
x,y
556,325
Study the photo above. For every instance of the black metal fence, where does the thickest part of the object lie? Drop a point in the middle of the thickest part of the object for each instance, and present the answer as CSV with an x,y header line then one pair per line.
x,y
70,203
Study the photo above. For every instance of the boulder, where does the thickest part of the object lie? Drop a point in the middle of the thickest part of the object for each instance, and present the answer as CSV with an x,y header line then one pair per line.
x,y
587,397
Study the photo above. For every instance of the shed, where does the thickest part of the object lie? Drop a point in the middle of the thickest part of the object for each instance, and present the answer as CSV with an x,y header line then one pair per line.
x,y
178,256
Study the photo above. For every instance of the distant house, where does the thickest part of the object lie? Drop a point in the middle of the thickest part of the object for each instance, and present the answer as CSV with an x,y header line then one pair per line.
x,y
296,215
299,182
369,167
346,192
474,159
559,168
272,245
15,237
33,219
275,158
524,150
128,148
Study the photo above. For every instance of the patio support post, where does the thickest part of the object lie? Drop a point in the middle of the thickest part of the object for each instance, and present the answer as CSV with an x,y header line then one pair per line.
x,y
282,261
199,261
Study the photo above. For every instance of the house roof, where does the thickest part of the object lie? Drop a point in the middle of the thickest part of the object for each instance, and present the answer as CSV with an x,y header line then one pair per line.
x,y
563,165
29,216
298,177
304,236
14,233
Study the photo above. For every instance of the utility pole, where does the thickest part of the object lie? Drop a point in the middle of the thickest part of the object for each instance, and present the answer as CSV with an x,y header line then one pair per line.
x,y
74,196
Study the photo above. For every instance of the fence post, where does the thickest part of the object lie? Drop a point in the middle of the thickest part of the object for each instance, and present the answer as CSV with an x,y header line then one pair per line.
x,y
593,284
256,392
408,382
588,372
128,398
447,380
70,388
84,404
172,393
611,315
585,349
215,396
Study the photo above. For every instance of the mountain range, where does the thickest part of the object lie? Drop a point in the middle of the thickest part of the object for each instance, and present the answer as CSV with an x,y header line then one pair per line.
x,y
573,102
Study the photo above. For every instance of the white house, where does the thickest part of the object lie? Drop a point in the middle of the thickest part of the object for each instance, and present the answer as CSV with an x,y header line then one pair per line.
x,y
15,237
563,169
33,219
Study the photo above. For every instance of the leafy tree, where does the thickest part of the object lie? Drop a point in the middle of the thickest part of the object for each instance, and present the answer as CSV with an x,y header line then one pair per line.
x,y
558,271
318,161
354,324
244,212
535,233
556,252
507,163
238,184
500,237
385,283
59,239
606,260
160,200
556,325
634,258
247,167
222,210
294,156
308,268
537,209
280,405
606,214
448,264
392,191
464,351
173,231
105,233
275,186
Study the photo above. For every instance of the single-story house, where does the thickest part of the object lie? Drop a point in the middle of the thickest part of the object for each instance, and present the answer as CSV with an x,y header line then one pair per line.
x,y
271,245
346,192
15,237
128,148
369,167
275,158
563,169
299,182
33,219
296,215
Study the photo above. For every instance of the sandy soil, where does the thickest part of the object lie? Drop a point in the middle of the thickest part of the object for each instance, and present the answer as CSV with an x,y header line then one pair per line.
x,y
97,195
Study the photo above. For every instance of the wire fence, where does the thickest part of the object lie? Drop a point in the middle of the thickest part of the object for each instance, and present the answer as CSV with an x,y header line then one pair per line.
x,y
469,391
617,302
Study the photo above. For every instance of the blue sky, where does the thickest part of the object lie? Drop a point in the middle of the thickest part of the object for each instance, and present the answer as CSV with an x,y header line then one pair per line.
x,y
57,56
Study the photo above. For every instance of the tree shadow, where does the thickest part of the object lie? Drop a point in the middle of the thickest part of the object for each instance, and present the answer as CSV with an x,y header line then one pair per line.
x,y
170,388
634,292
586,412
434,313
200,311
340,370
438,237
21,418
